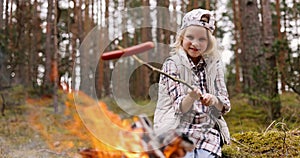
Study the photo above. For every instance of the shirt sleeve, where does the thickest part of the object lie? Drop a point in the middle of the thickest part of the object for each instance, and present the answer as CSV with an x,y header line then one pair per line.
x,y
221,92
175,89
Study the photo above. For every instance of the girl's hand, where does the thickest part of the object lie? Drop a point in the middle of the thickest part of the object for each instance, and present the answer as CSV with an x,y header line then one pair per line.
x,y
209,99
195,93
189,99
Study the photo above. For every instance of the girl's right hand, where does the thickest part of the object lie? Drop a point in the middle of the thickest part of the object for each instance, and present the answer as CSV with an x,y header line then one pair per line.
x,y
189,99
195,93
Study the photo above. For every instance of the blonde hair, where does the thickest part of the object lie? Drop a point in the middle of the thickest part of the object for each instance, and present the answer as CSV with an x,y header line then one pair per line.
x,y
211,50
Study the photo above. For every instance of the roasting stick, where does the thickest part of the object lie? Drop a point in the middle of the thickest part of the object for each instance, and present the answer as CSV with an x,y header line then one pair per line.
x,y
161,72
131,51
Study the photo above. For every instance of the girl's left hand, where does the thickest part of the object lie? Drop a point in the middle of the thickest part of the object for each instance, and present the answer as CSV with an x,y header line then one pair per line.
x,y
209,99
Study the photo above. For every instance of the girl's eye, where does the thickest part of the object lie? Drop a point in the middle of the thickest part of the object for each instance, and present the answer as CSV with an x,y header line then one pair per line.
x,y
189,37
202,39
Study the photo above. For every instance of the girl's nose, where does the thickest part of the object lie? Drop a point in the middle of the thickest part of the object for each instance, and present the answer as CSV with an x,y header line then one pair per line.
x,y
194,43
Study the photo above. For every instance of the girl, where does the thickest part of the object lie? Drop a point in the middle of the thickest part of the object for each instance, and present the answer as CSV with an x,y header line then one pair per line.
x,y
196,60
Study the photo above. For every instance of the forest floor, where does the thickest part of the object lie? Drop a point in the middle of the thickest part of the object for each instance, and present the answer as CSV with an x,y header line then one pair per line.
x,y
22,135
33,130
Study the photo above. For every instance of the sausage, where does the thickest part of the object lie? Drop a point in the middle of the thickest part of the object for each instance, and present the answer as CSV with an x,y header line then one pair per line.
x,y
128,51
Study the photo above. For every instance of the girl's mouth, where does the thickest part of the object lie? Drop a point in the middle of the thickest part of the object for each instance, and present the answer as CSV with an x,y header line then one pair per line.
x,y
194,49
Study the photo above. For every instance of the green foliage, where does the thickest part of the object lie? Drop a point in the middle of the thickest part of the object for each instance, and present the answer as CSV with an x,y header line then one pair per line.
x,y
291,109
244,117
280,45
134,3
15,95
231,79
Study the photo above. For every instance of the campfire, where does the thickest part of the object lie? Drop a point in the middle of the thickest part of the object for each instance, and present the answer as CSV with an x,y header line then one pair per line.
x,y
128,138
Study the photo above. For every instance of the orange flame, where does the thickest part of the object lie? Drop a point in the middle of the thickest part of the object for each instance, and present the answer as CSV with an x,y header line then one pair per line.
x,y
103,132
124,143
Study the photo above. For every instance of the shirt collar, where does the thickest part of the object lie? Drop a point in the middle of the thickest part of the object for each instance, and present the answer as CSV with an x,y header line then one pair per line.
x,y
201,63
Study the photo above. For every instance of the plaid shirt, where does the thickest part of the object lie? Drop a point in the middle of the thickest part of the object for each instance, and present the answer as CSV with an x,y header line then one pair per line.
x,y
196,123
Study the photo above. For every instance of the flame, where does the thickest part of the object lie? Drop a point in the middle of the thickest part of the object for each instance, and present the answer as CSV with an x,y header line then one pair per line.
x,y
119,138
101,132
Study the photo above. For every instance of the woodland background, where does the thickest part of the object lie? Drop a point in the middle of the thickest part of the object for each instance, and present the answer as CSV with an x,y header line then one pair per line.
x,y
41,39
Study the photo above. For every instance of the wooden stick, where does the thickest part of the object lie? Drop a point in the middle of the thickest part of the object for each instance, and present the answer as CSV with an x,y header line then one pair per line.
x,y
121,49
161,72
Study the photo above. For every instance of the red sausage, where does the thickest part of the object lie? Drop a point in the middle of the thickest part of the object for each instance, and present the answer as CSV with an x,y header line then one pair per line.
x,y
128,51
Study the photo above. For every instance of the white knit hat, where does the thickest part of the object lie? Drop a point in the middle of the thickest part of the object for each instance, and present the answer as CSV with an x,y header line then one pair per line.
x,y
199,17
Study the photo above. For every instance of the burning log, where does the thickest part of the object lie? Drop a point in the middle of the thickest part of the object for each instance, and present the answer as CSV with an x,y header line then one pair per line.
x,y
168,145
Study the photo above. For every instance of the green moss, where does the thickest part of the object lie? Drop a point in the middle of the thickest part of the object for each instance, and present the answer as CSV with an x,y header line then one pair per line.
x,y
248,124
270,144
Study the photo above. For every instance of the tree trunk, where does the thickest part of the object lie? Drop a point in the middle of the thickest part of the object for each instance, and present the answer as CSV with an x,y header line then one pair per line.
x,y
163,36
273,102
93,21
85,71
35,45
103,72
194,4
55,60
74,34
134,79
282,54
23,43
237,47
49,46
207,4
99,77
87,19
6,20
253,65
2,55
144,78
1,16
10,35
106,68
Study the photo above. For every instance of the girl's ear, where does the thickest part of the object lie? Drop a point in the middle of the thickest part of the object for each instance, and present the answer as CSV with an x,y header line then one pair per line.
x,y
181,40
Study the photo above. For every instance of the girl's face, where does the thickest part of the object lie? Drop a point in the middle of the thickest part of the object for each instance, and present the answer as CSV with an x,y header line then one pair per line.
x,y
195,41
